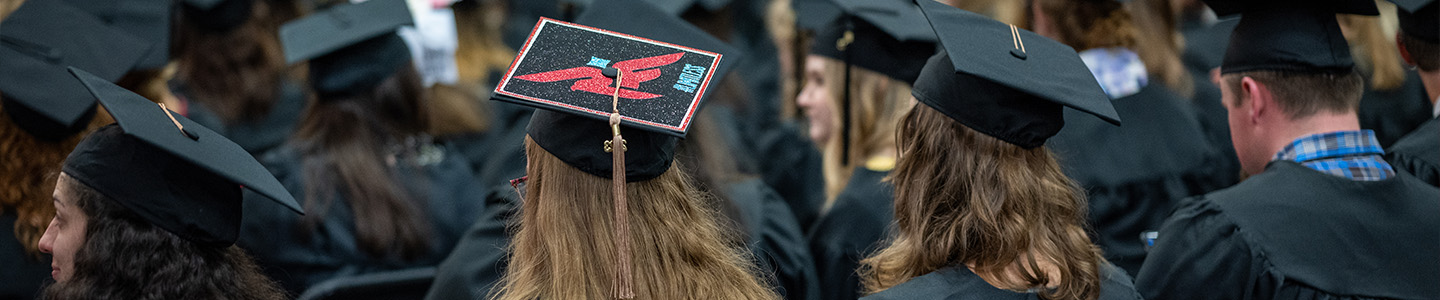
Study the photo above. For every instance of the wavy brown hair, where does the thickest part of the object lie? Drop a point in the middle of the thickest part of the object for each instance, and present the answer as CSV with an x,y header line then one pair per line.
x,y
236,73
877,102
963,198
563,248
348,145
23,187
126,257
1087,24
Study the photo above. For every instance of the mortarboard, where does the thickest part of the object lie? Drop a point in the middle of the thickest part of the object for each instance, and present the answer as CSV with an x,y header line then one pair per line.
x,y
667,65
815,15
217,15
147,19
886,36
1419,19
170,171
1005,82
37,42
351,47
678,7
1289,35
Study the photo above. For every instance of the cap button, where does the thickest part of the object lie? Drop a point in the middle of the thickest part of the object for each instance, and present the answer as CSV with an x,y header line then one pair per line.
x,y
1018,54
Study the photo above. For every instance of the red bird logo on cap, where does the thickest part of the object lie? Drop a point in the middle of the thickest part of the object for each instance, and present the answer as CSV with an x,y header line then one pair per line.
x,y
635,70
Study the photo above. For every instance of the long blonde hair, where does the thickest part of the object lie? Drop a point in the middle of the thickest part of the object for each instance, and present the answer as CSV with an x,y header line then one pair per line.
x,y
967,199
1374,50
877,102
563,248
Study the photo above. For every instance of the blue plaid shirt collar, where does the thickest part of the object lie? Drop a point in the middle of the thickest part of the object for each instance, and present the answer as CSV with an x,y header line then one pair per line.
x,y
1351,154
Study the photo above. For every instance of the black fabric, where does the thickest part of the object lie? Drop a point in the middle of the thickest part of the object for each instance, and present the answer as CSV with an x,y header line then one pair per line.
x,y
790,163
1231,7
958,283
1134,175
171,193
1294,233
1205,44
1418,153
37,42
1394,113
1005,82
480,257
444,191
889,37
775,239
1297,38
815,15
851,230
255,136
23,274
341,26
1419,21
217,15
148,20
358,68
580,142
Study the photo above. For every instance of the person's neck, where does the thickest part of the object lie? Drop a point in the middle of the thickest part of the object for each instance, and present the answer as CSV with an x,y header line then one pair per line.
x,y
1431,79
1319,123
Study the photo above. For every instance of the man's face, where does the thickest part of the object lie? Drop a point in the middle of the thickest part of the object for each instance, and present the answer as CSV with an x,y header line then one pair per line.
x,y
1242,131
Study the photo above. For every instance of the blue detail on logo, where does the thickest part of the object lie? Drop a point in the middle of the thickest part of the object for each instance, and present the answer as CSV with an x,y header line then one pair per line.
x,y
690,78
599,62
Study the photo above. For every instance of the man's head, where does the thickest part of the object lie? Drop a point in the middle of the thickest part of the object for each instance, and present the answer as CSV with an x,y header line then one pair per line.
x,y
1424,55
1266,106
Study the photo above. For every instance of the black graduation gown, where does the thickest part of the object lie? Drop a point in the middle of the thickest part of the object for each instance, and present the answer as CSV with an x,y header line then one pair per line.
x,y
256,136
1394,113
271,234
775,239
22,274
479,258
853,228
1419,153
962,284
1295,233
1135,174
497,155
787,160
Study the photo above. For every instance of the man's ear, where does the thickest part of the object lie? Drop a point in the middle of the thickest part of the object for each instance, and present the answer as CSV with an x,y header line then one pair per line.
x,y
1257,99
1404,54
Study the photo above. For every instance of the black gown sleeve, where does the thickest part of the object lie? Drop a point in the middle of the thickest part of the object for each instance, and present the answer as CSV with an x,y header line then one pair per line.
x,y
776,240
1199,254
478,260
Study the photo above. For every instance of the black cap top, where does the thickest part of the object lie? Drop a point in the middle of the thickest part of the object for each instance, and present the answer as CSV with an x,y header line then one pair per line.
x,y
815,15
1005,82
37,42
217,15
1419,19
167,169
351,47
146,19
886,36
665,64
1289,35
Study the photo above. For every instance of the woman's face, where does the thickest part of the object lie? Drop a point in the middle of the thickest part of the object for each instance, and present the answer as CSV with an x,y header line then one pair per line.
x,y
66,233
816,101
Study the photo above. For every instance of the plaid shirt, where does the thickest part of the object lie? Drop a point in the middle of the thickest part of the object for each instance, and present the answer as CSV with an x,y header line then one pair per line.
x,y
1351,154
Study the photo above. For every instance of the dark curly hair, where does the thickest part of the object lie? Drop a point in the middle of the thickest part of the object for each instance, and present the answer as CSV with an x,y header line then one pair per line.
x,y
126,257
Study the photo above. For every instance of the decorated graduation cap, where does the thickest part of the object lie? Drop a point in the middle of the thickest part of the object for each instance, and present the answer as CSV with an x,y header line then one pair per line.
x,y
1005,82
147,19
1289,35
1419,19
351,47
176,174
217,15
37,42
616,94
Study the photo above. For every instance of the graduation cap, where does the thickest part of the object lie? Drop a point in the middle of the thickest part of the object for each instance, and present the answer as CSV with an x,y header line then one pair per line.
x,y
217,15
1289,35
667,66
351,47
1419,19
678,7
167,169
147,19
1005,82
37,42
815,15
886,36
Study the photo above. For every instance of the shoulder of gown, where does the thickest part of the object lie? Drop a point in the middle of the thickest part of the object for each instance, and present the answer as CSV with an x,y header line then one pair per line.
x,y
853,228
775,238
1419,153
